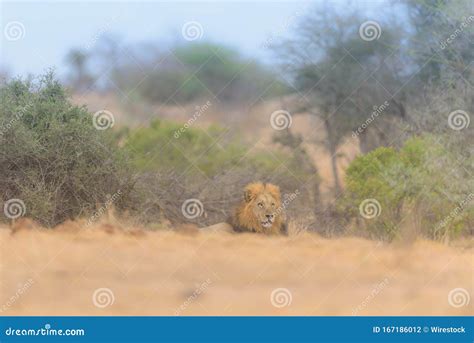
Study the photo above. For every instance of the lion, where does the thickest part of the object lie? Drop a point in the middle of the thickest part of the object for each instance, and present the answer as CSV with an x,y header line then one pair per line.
x,y
260,211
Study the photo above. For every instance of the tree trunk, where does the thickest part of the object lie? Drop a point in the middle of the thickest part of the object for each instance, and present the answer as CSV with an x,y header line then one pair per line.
x,y
332,147
364,142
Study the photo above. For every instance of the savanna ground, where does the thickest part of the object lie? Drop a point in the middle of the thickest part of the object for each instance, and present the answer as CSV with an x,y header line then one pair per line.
x,y
195,273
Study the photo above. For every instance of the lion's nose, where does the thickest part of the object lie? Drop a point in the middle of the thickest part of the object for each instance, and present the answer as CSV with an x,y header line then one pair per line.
x,y
269,216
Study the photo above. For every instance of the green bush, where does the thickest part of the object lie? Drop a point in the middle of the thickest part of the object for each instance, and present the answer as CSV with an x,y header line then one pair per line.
x,y
52,157
166,146
422,180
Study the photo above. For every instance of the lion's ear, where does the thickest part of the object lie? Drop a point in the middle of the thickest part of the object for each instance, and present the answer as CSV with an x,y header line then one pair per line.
x,y
273,190
252,190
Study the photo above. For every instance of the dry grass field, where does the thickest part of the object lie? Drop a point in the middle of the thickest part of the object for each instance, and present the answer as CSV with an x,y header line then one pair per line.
x,y
136,272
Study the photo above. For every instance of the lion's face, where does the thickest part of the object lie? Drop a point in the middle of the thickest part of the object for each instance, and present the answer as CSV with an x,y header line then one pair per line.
x,y
264,207
261,209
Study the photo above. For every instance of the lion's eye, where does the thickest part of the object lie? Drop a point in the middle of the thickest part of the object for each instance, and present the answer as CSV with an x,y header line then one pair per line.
x,y
273,204
260,204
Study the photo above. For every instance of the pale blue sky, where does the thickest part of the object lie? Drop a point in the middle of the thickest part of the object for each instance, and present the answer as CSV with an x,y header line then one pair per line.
x,y
50,29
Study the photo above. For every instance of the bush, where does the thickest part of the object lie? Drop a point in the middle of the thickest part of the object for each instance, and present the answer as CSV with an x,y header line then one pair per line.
x,y
51,156
423,179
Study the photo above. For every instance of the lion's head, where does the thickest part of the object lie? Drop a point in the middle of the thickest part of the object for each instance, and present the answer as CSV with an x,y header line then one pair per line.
x,y
260,210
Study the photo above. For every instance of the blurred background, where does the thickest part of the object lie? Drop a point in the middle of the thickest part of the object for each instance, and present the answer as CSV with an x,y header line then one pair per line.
x,y
362,108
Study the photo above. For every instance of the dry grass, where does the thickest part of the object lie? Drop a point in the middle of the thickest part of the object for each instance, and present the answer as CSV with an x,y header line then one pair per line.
x,y
192,273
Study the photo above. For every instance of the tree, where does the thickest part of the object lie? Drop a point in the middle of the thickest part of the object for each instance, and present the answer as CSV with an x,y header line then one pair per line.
x,y
338,75
80,78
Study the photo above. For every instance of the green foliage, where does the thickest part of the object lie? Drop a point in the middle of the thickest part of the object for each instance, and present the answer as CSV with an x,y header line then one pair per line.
x,y
166,146
420,180
51,156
